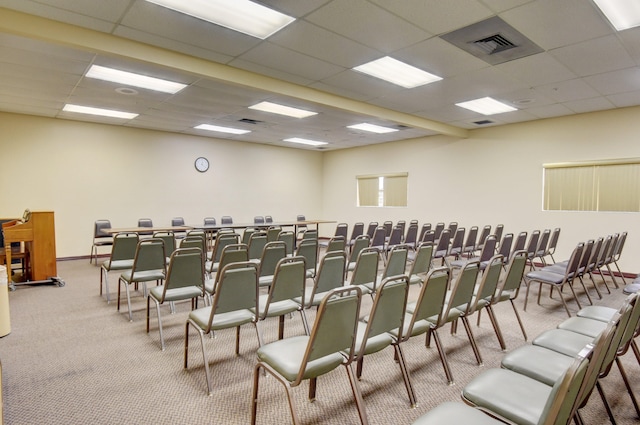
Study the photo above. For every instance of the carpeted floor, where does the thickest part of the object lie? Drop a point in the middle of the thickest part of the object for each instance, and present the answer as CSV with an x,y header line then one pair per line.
x,y
71,358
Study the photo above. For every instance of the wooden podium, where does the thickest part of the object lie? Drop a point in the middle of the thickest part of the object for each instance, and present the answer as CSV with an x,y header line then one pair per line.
x,y
37,231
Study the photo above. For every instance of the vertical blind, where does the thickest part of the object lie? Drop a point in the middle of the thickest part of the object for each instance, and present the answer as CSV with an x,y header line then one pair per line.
x,y
612,185
382,190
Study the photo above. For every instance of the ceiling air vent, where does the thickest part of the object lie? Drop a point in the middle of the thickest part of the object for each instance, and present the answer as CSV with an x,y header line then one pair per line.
x,y
494,44
492,40
249,121
483,122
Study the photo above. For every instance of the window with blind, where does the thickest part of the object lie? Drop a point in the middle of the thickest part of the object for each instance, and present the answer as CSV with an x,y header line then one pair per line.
x,y
382,190
612,185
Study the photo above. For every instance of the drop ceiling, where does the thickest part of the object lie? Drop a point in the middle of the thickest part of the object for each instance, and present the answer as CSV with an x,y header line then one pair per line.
x,y
46,46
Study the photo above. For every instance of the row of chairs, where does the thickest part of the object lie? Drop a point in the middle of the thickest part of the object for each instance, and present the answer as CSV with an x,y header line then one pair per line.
x,y
549,381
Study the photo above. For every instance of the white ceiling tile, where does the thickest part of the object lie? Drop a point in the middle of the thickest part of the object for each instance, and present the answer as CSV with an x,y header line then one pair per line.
x,y
624,80
499,6
622,100
566,91
537,70
589,105
355,84
631,40
550,111
594,56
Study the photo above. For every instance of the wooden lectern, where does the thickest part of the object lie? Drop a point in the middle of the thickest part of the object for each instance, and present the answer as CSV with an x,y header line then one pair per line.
x,y
37,231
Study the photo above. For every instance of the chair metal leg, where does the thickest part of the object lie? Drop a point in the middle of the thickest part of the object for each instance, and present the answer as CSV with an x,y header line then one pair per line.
x,y
496,327
104,273
313,383
205,359
524,333
443,357
399,356
628,385
159,324
605,402
304,321
472,340
357,395
126,287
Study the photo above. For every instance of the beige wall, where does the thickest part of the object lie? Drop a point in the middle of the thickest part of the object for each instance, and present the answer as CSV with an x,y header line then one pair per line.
x,y
494,176
84,172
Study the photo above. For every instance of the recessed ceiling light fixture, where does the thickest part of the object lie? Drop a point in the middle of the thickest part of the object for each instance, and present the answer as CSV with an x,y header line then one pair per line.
x,y
372,128
243,16
220,129
623,14
486,106
98,111
132,79
305,141
396,72
289,111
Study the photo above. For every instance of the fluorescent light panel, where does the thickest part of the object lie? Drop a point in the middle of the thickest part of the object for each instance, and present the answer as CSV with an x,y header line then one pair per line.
x,y
623,14
274,108
397,72
220,129
243,16
98,111
372,128
486,106
132,79
305,141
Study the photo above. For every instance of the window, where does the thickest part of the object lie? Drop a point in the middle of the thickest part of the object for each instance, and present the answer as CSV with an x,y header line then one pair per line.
x,y
382,190
612,185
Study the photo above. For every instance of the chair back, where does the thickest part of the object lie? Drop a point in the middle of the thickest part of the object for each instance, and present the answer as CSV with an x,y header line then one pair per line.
x,y
256,244
438,230
273,233
310,234
342,229
169,239
604,249
453,226
145,222
612,247
532,246
442,248
358,229
334,329
372,228
237,289
553,241
543,243
149,255
422,260
455,249
488,248
288,281
618,249
336,243
388,310
463,289
397,262
470,243
272,253
258,219
366,267
411,237
595,251
586,257
98,228
631,330
288,237
360,243
498,231
505,246
388,226
429,236
246,234
268,219
222,240
395,236
402,224
124,246
186,268
177,221
308,248
515,272
425,228
232,253
379,238
486,231
330,272
209,221
521,241
194,242
225,219
574,262
431,300
490,278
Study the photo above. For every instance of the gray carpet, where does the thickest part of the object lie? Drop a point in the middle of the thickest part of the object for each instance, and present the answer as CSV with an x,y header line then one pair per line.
x,y
72,359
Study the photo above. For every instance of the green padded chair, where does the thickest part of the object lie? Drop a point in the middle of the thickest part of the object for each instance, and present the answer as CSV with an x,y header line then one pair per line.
x,y
510,287
169,239
386,315
486,292
308,248
287,285
194,241
234,304
365,272
256,245
458,307
329,277
149,264
330,345
233,253
421,263
395,265
273,233
100,238
288,237
122,253
184,281
359,243
222,240
336,243
272,253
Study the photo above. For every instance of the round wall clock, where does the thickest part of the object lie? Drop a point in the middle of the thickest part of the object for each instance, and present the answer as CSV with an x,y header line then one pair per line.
x,y
202,164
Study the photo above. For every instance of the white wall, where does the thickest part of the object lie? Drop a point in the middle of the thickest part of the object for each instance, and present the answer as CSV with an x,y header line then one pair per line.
x,y
84,172
494,176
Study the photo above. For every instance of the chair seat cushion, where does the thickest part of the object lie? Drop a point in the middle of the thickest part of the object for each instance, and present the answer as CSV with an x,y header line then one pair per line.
x,y
285,357
374,343
563,341
117,265
143,276
221,320
538,363
455,413
175,294
584,326
598,312
545,276
277,308
511,395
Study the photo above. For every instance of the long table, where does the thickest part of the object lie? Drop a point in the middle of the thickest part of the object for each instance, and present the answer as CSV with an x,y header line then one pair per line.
x,y
216,227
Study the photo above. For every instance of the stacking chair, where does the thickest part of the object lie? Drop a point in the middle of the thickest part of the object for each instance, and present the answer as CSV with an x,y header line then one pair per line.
x,y
608,260
555,280
602,255
232,253
342,230
222,240
309,234
497,232
379,239
235,302
532,248
196,241
429,236
175,222
288,237
256,245
469,246
226,219
411,237
258,220
365,270
371,228
209,221
268,219
543,243
458,306
100,238
437,231
505,247
273,233
553,243
402,224
272,253
583,267
330,344
421,263
360,243
388,226
442,247
520,242
357,230
184,281
329,277
123,252
617,252
453,226
395,239
510,287
457,243
485,295
169,239
149,264
288,283
425,228
486,231
336,243
308,248
145,222
396,266
246,234
386,315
